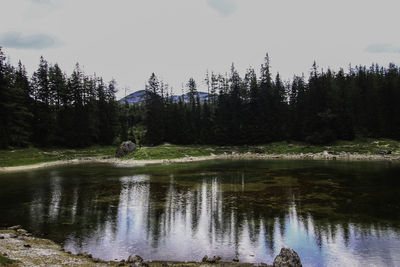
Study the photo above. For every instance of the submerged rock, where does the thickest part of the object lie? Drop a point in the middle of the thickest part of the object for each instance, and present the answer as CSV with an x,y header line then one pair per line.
x,y
125,148
287,258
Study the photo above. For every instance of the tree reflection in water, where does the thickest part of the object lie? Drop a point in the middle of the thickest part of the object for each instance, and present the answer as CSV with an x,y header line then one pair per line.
x,y
250,212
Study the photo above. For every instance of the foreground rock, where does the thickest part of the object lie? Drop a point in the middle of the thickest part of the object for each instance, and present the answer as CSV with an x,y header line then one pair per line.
x,y
136,261
287,258
125,148
214,259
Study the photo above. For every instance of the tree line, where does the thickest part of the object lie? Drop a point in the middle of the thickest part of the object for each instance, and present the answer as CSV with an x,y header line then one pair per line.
x,y
54,109
325,107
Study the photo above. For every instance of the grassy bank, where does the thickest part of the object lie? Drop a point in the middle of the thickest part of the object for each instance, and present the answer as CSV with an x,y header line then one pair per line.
x,y
30,156
362,146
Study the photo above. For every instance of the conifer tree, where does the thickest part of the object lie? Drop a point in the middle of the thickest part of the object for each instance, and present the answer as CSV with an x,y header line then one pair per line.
x,y
154,116
43,123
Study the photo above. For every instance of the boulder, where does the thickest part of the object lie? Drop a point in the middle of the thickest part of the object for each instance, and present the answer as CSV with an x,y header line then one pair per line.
x,y
214,259
22,232
87,255
134,258
384,152
217,258
287,258
15,227
136,261
125,148
259,150
235,259
14,235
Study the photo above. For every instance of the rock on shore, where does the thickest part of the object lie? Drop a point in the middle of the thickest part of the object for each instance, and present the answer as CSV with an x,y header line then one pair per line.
x,y
287,258
19,245
125,148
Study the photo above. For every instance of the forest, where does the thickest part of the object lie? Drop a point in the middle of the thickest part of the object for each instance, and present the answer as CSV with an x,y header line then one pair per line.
x,y
51,108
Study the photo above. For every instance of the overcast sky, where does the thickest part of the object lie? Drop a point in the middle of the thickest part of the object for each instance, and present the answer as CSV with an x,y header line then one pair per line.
x,y
178,39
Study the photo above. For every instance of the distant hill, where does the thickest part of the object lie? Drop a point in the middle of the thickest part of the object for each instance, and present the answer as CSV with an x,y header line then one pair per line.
x,y
139,97
136,97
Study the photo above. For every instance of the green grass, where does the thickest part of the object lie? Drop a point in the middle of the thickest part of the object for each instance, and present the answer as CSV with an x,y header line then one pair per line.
x,y
29,156
4,261
361,146
168,151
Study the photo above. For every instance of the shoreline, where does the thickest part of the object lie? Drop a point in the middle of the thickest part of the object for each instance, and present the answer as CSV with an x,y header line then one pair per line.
x,y
132,162
20,248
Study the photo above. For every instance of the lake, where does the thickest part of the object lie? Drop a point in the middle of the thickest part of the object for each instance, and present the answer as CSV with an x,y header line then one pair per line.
x,y
333,213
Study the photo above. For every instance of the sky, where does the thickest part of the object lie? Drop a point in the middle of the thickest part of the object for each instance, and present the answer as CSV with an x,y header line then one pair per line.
x,y
178,39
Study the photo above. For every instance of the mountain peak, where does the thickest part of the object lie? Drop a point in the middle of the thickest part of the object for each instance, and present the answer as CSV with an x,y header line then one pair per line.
x,y
139,97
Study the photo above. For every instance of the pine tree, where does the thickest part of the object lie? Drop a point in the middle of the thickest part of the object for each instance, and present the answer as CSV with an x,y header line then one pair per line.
x,y
4,104
154,115
62,99
265,105
19,126
44,120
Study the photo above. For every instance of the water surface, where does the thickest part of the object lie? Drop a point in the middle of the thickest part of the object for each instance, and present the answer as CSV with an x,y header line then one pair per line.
x,y
331,213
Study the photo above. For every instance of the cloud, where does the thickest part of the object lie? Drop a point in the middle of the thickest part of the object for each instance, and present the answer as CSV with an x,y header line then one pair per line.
x,y
28,41
223,7
44,2
382,48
